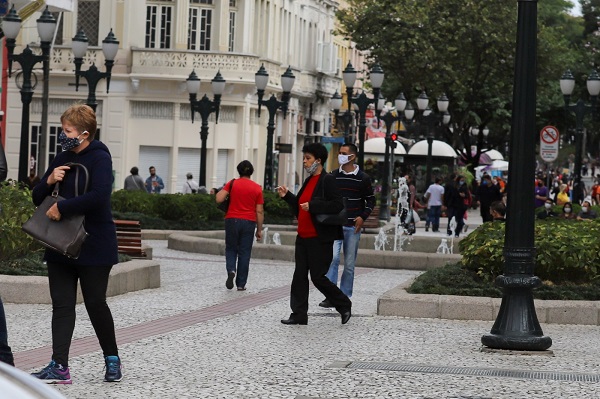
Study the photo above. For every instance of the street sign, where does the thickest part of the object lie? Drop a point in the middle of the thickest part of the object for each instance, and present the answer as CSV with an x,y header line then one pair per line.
x,y
549,143
283,148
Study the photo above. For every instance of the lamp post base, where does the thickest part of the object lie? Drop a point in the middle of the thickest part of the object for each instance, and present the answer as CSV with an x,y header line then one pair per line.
x,y
517,326
520,343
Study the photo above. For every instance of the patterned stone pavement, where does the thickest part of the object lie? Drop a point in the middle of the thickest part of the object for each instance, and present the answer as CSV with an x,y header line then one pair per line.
x,y
192,338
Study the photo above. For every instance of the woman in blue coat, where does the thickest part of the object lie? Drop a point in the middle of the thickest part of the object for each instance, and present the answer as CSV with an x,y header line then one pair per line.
x,y
99,251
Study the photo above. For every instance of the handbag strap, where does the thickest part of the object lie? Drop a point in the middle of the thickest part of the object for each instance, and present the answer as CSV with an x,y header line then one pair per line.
x,y
87,179
231,186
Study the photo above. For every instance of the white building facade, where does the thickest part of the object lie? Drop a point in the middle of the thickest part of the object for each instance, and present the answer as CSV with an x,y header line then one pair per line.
x,y
145,119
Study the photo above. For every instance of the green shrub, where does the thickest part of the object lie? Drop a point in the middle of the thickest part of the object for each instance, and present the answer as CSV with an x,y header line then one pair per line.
x,y
567,251
453,279
186,212
15,208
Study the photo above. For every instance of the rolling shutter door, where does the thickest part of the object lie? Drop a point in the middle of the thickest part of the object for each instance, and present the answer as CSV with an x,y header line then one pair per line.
x,y
188,161
222,163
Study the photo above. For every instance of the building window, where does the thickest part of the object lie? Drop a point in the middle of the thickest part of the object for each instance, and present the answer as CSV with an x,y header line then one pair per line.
x,y
232,15
199,28
159,20
88,15
232,3
201,1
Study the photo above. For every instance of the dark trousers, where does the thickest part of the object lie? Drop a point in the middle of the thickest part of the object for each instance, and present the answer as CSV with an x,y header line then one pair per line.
x,y
239,237
314,256
458,214
63,291
484,210
6,354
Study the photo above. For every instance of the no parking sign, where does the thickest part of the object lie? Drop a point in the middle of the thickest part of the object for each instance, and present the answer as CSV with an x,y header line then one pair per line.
x,y
549,143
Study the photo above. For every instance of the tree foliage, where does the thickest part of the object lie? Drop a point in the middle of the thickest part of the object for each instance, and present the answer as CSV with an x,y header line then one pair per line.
x,y
465,49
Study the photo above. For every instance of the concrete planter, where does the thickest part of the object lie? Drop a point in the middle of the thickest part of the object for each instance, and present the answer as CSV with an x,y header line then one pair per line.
x,y
124,277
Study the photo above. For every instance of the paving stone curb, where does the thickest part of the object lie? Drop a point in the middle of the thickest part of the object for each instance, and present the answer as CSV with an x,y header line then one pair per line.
x,y
137,274
212,242
398,302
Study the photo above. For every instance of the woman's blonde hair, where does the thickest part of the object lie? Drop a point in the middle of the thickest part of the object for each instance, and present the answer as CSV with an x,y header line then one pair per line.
x,y
82,117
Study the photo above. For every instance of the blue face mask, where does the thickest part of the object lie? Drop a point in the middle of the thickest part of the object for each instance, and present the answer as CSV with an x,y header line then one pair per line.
x,y
68,143
461,182
484,183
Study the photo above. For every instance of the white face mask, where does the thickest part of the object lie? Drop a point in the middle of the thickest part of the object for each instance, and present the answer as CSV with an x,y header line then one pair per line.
x,y
548,206
567,210
344,159
584,209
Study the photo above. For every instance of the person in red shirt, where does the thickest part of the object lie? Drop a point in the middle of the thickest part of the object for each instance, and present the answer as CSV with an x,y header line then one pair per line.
x,y
314,244
244,216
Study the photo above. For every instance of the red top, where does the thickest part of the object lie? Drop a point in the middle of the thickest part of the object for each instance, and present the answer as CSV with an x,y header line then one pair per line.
x,y
306,228
243,201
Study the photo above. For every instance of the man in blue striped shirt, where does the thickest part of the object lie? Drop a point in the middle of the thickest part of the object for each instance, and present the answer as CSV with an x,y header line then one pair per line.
x,y
355,186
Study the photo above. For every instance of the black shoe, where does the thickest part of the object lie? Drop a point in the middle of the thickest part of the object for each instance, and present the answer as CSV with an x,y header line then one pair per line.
x,y
295,320
426,228
229,282
326,304
346,316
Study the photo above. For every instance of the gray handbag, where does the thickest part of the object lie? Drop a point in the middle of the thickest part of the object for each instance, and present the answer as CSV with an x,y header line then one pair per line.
x,y
66,235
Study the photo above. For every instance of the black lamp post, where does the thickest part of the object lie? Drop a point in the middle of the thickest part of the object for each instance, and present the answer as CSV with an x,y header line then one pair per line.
x,y
431,119
362,102
390,144
46,26
345,119
110,46
287,83
580,109
517,326
205,107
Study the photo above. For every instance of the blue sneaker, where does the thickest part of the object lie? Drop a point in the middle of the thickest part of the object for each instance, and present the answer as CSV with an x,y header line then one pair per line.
x,y
114,371
54,373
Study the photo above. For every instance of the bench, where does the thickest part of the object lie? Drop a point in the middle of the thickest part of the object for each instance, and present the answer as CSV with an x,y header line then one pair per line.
x,y
129,238
372,221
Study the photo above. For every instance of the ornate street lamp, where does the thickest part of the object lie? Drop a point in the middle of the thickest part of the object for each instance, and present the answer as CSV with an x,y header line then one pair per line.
x,y
389,119
580,110
431,120
345,119
362,102
79,46
517,326
11,25
273,105
205,107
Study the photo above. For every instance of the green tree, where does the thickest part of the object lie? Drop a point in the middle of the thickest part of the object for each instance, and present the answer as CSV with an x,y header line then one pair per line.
x,y
464,49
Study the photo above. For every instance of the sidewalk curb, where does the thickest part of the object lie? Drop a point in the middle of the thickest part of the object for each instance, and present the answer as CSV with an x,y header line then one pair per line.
x,y
398,302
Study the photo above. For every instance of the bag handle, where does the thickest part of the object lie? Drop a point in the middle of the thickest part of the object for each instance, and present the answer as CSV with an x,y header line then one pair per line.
x,y
87,179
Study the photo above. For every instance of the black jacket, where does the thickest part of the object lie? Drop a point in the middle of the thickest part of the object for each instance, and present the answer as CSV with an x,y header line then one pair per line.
x,y
326,199
3,164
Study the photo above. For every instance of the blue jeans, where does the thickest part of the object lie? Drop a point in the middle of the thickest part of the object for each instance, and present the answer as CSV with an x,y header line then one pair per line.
x,y
433,217
239,236
350,245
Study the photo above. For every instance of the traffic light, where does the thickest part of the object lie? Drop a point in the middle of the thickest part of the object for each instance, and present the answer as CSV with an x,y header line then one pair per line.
x,y
393,138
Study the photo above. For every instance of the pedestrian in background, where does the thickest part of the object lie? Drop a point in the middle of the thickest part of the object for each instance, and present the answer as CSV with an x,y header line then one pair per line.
x,y
357,191
434,196
486,194
98,253
244,217
154,183
314,243
191,187
134,181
